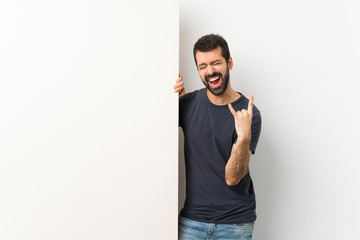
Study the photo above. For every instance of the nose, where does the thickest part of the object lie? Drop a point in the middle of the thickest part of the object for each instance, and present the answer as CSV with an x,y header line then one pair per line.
x,y
210,70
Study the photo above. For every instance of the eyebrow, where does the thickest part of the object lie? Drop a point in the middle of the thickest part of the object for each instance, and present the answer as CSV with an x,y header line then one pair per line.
x,y
217,60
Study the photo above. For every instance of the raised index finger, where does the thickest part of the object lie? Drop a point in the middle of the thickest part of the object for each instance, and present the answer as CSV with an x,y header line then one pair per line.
x,y
251,103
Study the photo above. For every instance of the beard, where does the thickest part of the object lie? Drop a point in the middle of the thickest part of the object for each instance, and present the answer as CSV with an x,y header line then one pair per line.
x,y
224,82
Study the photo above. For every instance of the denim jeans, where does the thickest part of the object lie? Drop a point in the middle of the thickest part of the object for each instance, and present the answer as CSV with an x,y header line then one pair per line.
x,y
194,230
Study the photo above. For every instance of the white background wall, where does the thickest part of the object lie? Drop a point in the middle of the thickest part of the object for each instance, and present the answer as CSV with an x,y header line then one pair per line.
x,y
301,59
88,119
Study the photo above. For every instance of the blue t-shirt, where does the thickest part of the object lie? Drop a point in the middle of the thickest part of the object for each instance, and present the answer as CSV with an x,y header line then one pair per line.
x,y
210,133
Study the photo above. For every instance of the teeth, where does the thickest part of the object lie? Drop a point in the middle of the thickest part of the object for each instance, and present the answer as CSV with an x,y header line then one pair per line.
x,y
213,79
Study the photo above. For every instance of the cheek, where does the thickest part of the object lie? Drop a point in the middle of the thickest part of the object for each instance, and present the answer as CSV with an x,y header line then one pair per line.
x,y
203,79
202,75
222,70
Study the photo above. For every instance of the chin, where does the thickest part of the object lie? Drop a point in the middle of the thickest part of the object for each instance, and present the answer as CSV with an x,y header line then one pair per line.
x,y
217,91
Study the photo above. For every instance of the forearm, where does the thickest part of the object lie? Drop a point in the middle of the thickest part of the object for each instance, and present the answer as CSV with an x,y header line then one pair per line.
x,y
237,165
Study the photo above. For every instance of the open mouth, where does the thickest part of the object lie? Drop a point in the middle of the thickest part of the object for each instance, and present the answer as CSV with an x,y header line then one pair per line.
x,y
215,82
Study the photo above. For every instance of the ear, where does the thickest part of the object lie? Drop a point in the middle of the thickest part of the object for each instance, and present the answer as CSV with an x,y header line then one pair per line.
x,y
230,63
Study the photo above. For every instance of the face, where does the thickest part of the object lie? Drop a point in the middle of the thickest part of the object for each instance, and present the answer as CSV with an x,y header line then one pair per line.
x,y
214,70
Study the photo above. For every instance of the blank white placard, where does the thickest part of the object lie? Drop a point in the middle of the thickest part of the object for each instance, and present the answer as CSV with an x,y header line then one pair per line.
x,y
88,126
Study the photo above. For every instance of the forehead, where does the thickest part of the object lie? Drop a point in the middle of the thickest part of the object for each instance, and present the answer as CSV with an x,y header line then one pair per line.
x,y
206,57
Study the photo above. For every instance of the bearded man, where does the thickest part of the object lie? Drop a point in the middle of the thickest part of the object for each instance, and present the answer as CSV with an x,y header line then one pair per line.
x,y
221,129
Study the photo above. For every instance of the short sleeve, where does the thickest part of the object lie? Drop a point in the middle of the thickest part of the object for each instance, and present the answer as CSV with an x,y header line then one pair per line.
x,y
182,108
255,129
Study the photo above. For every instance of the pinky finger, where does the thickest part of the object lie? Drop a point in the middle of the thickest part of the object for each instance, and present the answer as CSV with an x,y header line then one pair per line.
x,y
231,109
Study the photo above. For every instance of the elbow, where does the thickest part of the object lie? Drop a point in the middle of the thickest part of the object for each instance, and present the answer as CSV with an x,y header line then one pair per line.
x,y
234,176
232,181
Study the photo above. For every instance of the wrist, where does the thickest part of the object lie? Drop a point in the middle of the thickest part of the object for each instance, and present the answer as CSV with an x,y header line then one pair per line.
x,y
241,145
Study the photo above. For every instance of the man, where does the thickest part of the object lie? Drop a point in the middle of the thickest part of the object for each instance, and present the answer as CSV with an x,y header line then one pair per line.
x,y
221,129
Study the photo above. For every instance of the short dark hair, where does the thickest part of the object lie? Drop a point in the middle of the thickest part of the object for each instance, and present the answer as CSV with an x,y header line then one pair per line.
x,y
210,42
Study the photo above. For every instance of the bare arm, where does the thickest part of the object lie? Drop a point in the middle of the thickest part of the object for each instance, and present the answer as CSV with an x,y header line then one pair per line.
x,y
237,165
179,86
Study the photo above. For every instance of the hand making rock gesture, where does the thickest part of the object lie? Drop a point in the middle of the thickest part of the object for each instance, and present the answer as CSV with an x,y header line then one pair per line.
x,y
243,120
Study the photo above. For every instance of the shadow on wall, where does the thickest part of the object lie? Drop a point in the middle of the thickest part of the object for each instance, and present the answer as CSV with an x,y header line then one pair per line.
x,y
182,178
263,167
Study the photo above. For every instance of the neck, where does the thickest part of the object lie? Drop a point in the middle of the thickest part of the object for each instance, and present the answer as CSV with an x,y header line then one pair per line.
x,y
227,97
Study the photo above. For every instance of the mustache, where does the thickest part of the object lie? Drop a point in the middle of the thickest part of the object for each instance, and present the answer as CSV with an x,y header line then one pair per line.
x,y
215,74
